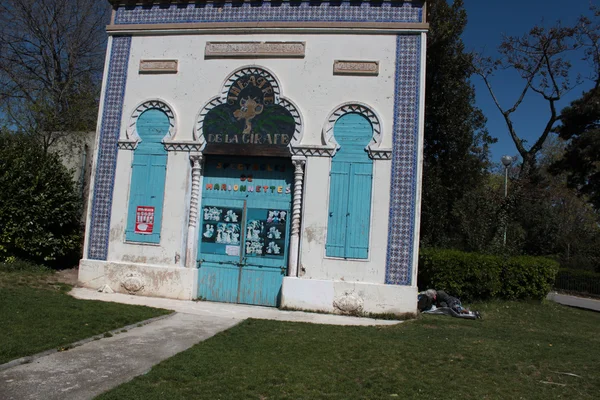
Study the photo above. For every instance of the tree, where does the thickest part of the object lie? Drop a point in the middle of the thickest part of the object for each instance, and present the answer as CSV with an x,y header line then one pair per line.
x,y
588,36
581,160
456,142
549,218
39,205
542,59
581,122
539,57
51,60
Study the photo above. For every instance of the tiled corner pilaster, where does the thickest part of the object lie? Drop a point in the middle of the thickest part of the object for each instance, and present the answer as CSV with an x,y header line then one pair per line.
x,y
107,148
404,162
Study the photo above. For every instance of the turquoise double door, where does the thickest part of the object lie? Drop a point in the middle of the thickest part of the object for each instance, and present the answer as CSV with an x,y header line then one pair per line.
x,y
244,229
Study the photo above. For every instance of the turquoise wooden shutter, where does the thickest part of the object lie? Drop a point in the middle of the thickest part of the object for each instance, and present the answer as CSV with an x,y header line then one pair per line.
x,y
137,190
359,210
148,174
350,190
338,209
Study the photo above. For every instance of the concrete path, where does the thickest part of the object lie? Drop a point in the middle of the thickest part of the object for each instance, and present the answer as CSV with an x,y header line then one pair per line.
x,y
89,370
574,301
227,310
97,366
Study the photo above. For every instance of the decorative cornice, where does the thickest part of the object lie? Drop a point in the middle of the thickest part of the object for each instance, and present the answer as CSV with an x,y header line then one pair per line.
x,y
380,154
350,16
127,144
118,3
367,28
163,2
313,151
182,145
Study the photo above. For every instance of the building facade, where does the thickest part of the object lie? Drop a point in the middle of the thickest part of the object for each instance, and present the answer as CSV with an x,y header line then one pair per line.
x,y
261,152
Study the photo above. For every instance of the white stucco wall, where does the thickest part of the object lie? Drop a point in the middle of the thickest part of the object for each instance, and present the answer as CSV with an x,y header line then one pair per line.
x,y
308,82
313,262
171,249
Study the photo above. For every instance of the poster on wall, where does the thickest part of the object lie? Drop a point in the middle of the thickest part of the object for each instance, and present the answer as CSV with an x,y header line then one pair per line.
x,y
255,240
144,220
265,233
221,230
275,232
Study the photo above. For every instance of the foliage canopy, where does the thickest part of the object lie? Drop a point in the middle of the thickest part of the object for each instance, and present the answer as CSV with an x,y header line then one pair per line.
x,y
51,60
456,142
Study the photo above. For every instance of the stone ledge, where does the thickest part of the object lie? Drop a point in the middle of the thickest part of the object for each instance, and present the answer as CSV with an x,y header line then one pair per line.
x,y
342,297
140,279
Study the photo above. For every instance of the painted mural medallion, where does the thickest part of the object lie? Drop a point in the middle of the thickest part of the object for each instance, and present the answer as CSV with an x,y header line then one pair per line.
x,y
250,118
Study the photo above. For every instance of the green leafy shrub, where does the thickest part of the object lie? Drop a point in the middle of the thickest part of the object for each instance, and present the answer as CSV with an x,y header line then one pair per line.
x,y
39,206
475,276
578,281
465,275
527,277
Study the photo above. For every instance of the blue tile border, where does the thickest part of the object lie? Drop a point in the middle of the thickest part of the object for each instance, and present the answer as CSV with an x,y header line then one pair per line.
x,y
403,189
107,148
281,11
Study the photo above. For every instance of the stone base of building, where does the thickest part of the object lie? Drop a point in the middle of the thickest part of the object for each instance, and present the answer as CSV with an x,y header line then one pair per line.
x,y
141,279
347,297
180,283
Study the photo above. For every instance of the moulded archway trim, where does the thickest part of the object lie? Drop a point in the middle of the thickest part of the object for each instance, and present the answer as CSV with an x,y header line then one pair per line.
x,y
374,147
131,139
221,98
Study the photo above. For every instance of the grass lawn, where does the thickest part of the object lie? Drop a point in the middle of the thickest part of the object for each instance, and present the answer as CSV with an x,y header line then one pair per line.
x,y
37,314
518,351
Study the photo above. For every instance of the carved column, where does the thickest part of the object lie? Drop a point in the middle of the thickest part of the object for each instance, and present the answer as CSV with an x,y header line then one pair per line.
x,y
299,163
192,246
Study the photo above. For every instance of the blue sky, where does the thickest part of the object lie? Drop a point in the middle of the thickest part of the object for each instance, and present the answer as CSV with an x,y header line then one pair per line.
x,y
489,20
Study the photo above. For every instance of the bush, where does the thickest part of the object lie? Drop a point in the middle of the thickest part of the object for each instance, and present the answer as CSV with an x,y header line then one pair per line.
x,y
39,206
527,277
467,276
578,281
474,276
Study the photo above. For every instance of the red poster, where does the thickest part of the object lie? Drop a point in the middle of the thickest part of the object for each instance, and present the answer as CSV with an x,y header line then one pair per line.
x,y
144,220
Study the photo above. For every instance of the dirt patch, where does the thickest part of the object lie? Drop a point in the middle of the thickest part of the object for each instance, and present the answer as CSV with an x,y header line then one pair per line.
x,y
68,276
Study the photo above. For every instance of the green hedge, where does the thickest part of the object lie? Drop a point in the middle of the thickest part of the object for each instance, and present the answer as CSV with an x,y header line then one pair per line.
x,y
578,281
474,276
39,207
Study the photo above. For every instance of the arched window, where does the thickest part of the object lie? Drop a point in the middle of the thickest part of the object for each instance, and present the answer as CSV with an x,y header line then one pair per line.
x,y
147,188
350,189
